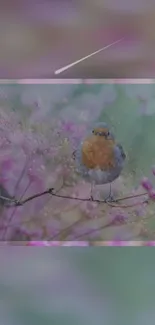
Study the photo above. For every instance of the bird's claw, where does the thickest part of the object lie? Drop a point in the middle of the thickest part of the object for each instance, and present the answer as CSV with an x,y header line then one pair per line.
x,y
51,190
110,199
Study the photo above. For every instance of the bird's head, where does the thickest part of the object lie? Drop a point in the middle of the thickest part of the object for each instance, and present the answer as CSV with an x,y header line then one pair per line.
x,y
102,129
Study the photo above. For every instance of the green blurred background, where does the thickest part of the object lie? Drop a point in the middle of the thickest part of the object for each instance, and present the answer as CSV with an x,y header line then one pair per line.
x,y
80,286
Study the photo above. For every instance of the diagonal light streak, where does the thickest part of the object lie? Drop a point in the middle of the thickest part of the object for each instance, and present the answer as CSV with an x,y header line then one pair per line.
x,y
86,57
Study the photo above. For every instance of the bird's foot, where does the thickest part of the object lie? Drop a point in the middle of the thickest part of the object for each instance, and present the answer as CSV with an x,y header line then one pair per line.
x,y
91,198
110,199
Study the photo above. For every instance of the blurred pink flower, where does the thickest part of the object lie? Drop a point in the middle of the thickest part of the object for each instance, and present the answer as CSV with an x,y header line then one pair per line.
x,y
58,243
68,126
74,132
150,243
73,129
146,183
118,243
152,194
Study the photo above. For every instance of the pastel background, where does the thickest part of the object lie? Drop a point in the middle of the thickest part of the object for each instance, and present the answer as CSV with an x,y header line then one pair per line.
x,y
108,285
38,37
40,127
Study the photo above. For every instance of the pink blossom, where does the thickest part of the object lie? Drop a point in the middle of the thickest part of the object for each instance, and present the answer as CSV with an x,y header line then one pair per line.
x,y
149,243
118,243
38,243
75,243
73,131
67,126
119,216
152,194
146,183
57,243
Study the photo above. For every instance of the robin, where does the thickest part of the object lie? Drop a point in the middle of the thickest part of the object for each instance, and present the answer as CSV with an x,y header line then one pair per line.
x,y
99,159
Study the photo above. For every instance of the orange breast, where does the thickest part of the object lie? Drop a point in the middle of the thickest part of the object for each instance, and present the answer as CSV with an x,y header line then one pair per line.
x,y
98,152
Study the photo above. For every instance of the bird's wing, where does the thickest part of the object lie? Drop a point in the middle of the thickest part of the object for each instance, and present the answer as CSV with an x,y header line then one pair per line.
x,y
121,150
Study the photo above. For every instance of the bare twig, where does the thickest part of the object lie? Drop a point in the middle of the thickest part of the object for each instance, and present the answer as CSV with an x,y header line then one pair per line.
x,y
51,192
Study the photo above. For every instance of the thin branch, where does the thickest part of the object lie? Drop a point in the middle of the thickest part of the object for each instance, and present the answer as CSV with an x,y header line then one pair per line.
x,y
63,231
35,196
51,192
126,206
22,174
92,231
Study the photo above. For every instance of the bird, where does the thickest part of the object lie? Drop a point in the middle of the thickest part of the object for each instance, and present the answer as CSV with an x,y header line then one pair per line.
x,y
99,159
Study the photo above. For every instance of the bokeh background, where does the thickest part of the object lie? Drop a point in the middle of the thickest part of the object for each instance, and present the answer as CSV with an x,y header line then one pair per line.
x,y
106,285
40,127
38,37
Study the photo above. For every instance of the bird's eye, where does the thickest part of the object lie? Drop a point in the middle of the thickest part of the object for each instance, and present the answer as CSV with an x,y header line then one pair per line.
x,y
107,134
93,131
